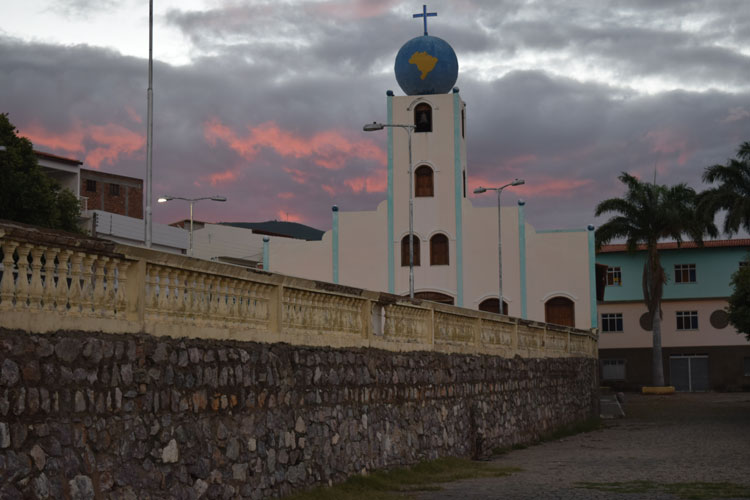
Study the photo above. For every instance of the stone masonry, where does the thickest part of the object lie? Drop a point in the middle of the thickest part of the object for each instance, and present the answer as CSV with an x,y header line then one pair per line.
x,y
87,415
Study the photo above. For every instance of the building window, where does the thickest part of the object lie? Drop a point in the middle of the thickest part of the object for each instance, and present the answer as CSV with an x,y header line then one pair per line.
x,y
423,118
91,185
405,250
687,320
613,369
684,273
423,181
614,276
560,311
746,367
463,122
114,189
439,250
612,322
490,305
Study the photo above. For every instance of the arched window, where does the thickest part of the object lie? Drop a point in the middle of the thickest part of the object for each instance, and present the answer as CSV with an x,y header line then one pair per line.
x,y
423,181
439,250
434,297
490,305
560,311
423,118
405,250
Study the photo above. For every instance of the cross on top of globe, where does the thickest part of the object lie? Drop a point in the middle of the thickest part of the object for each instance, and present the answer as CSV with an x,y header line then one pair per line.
x,y
426,64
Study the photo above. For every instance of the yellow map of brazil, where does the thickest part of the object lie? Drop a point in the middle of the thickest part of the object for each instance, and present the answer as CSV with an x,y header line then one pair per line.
x,y
424,62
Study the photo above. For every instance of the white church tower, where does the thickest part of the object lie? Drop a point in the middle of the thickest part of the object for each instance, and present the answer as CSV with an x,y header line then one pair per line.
x,y
432,116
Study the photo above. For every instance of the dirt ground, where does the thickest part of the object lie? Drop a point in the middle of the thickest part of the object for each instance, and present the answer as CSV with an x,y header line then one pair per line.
x,y
703,437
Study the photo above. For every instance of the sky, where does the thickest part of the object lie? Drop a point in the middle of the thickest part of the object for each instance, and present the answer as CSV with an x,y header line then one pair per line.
x,y
263,101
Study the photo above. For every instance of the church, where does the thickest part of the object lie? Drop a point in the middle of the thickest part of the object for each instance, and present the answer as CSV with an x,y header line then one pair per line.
x,y
547,275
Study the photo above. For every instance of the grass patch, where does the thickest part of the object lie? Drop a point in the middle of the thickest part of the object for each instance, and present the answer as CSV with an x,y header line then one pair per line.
x,y
397,483
688,491
589,425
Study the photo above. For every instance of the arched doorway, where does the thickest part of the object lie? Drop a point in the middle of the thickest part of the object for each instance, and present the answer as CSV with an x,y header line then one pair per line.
x,y
490,305
560,311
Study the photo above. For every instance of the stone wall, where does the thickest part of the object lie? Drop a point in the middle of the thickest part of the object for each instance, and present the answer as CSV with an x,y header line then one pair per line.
x,y
133,416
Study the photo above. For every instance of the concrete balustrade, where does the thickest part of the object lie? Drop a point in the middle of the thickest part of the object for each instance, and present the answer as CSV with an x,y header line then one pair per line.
x,y
55,281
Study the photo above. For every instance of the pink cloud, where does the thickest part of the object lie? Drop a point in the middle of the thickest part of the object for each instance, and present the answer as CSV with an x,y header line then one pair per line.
x,y
328,149
360,9
221,177
133,115
550,187
110,141
285,196
286,216
668,143
329,189
375,183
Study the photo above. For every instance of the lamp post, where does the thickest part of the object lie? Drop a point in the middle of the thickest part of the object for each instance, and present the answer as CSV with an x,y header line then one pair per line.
x,y
499,190
372,127
165,199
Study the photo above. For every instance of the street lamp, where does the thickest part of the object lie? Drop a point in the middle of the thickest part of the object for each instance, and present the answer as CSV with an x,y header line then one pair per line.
x,y
165,199
372,127
499,190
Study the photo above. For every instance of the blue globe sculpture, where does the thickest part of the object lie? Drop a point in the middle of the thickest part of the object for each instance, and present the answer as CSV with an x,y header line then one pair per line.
x,y
426,65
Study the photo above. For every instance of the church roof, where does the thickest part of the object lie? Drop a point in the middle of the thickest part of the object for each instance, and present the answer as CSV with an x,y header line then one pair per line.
x,y
280,228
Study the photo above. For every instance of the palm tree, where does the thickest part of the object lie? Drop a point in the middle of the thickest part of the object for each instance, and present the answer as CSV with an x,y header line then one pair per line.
x,y
733,192
646,214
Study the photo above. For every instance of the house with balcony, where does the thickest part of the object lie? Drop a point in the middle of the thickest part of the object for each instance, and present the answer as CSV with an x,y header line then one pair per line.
x,y
111,204
701,350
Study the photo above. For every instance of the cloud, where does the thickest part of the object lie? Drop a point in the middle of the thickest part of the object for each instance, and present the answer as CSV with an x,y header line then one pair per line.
x,y
328,149
97,143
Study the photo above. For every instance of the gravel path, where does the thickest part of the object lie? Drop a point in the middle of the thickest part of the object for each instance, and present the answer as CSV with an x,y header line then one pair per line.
x,y
665,439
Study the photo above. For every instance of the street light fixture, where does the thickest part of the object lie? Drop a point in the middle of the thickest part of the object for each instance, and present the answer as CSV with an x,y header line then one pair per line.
x,y
479,190
372,127
164,199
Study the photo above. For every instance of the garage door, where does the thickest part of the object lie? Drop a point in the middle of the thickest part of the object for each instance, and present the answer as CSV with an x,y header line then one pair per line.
x,y
689,373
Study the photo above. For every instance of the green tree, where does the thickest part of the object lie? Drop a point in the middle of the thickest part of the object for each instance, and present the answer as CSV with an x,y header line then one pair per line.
x,y
739,301
646,214
732,193
27,194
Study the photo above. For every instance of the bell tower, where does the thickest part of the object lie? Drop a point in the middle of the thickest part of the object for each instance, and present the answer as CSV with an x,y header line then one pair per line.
x,y
430,120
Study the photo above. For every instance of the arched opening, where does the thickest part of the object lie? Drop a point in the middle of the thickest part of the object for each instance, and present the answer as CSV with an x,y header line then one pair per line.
x,y
423,118
490,305
439,250
405,250
560,311
434,297
423,181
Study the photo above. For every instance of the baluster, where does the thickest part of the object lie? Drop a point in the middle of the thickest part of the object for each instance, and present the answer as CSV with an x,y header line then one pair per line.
x,y
177,277
35,289
49,292
192,304
162,304
232,300
222,307
75,295
121,286
201,299
108,302
63,289
7,285
87,300
243,300
22,280
152,299
99,307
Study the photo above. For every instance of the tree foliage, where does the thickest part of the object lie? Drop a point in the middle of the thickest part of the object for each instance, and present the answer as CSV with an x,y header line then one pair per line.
x,y
27,194
646,214
739,301
732,192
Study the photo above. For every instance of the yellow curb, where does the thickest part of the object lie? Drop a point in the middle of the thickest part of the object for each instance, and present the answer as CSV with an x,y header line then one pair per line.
x,y
658,390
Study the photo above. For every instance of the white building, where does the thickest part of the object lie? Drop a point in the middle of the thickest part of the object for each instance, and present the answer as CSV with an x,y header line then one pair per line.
x,y
547,275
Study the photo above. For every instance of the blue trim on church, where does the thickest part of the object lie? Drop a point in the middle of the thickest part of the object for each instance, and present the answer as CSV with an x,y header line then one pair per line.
x,y
391,256
458,180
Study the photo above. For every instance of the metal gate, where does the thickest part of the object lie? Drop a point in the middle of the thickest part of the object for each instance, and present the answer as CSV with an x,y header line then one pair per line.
x,y
689,373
